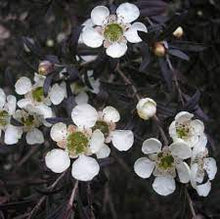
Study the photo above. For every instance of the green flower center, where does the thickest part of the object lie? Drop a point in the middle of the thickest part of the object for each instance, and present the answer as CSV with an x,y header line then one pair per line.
x,y
38,94
166,160
113,32
103,127
77,143
4,118
182,131
28,121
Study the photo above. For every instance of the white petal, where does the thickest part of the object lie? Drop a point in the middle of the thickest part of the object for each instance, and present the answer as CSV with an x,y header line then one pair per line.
x,y
96,141
129,12
57,160
82,98
23,103
164,185
84,115
34,136
197,174
132,33
11,104
143,167
200,147
99,14
151,145
198,126
116,50
183,171
180,149
172,130
183,116
122,139
43,110
85,168
110,114
103,152
57,94
210,167
12,134
2,98
92,38
58,132
204,189
23,85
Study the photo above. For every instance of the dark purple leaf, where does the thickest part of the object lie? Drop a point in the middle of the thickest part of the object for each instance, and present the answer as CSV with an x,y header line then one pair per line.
x,y
179,54
166,72
188,46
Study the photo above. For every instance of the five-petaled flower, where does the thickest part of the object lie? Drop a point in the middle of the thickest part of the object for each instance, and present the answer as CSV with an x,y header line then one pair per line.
x,y
113,30
164,163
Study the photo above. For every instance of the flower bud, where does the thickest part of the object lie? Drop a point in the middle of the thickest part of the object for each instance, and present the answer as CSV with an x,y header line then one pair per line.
x,y
178,32
45,67
159,49
146,108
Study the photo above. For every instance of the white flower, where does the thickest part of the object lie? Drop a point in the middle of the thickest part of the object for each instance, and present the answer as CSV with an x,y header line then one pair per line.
x,y
189,130
113,30
202,166
30,122
164,163
106,123
34,94
7,109
146,108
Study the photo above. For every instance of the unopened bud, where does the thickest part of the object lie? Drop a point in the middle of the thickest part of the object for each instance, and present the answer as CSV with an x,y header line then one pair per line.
x,y
159,49
178,32
45,67
146,108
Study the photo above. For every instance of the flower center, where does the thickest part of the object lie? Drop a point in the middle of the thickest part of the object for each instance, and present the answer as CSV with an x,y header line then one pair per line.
x,y
113,32
4,118
28,121
182,130
38,94
165,160
103,127
77,143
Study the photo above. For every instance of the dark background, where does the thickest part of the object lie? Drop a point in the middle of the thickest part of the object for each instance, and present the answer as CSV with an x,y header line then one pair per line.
x,y
117,192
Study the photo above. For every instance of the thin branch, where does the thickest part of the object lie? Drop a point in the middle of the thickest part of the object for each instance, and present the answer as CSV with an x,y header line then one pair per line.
x,y
50,188
190,204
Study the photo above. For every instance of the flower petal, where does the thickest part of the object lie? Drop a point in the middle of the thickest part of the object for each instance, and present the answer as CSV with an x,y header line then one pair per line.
x,y
103,152
34,136
204,189
84,115
210,167
132,33
164,185
110,114
23,85
57,94
183,171
143,167
183,116
57,160
180,149
151,145
22,103
11,104
12,134
92,38
85,168
122,139
128,12
2,98
58,132
116,50
99,14
81,98
96,141
43,110
198,126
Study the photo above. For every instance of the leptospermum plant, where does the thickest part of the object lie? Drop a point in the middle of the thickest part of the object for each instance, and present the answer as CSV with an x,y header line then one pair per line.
x,y
86,110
